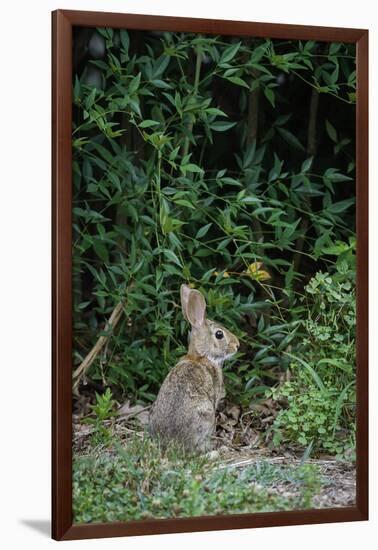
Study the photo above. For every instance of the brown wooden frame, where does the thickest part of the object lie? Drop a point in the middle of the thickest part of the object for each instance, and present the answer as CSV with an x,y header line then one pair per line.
x,y
62,523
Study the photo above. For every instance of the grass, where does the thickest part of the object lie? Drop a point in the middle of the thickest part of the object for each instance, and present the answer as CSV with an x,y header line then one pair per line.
x,y
136,480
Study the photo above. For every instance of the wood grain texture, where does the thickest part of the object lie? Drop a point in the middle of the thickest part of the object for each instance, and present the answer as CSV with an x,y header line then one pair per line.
x,y
362,224
212,523
61,277
211,26
62,23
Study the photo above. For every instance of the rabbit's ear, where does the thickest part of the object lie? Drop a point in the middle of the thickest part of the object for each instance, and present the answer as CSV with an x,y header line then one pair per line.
x,y
196,309
184,293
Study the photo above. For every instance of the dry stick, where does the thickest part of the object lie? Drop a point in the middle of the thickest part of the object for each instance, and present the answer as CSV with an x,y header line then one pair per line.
x,y
126,416
91,356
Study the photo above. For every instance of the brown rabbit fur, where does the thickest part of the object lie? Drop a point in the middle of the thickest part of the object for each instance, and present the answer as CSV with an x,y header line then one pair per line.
x,y
184,410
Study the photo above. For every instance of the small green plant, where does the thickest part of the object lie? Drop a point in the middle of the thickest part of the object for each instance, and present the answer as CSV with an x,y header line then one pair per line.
x,y
330,328
311,483
101,411
320,397
313,415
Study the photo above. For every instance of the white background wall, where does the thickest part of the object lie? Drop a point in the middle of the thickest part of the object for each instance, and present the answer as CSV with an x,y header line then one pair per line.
x,y
25,269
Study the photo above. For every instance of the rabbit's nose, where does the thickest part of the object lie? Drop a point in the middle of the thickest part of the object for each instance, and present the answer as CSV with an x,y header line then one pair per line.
x,y
235,345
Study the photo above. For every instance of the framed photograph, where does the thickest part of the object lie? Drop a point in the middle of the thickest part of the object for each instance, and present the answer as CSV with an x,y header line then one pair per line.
x,y
210,270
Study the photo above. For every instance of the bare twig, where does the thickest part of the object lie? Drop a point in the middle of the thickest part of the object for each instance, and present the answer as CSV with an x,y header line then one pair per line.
x,y
91,356
133,413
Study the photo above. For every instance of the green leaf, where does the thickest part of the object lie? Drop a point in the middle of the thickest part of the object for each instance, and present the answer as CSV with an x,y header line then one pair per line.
x,y
90,99
269,94
341,364
306,165
290,138
184,202
215,111
203,230
261,324
230,181
222,126
333,175
82,305
334,48
259,52
352,96
160,65
80,142
229,53
178,103
125,40
250,200
223,244
310,370
191,168
148,123
238,81
77,88
134,83
331,131
101,250
113,177
171,256
282,119
340,206
134,104
160,83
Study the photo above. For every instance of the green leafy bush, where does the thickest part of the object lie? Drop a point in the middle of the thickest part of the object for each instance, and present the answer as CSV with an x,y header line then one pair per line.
x,y
320,397
315,416
221,162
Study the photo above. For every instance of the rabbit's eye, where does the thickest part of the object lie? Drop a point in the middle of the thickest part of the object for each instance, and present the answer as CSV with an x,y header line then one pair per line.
x,y
219,334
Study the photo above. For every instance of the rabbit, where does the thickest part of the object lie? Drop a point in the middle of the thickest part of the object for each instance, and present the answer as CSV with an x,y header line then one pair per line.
x,y
185,407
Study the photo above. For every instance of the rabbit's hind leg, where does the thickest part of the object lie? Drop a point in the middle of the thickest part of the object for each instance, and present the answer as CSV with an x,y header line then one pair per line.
x,y
203,428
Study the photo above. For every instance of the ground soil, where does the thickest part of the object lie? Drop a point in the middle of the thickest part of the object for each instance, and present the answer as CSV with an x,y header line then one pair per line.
x,y
238,444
